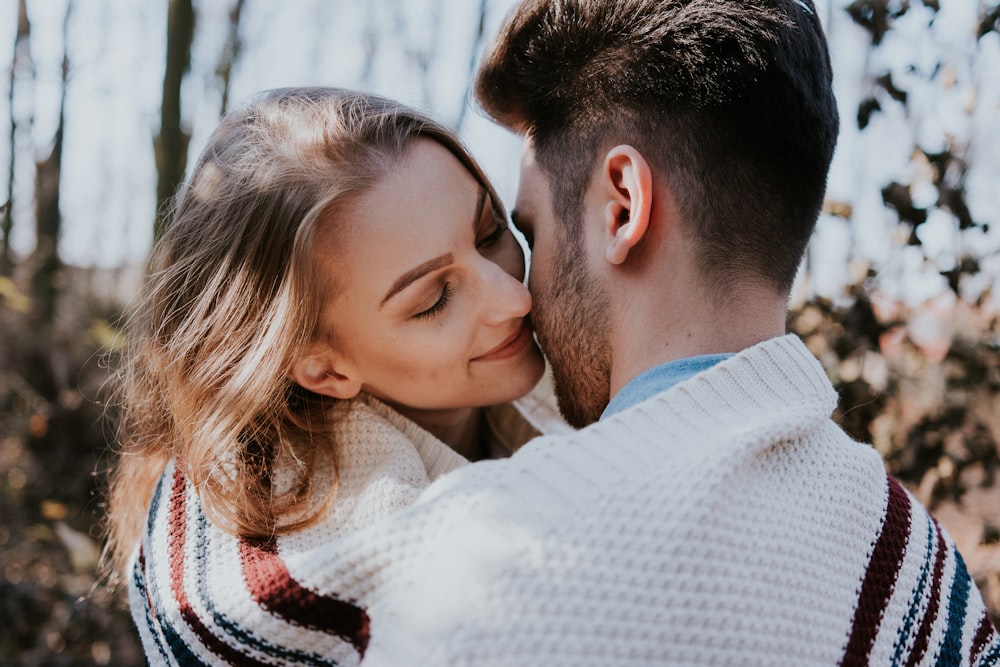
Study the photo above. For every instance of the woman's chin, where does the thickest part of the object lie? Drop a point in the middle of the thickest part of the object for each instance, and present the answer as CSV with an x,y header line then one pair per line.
x,y
528,373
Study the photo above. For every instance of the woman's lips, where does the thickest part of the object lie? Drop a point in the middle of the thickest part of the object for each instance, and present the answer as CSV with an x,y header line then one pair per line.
x,y
509,347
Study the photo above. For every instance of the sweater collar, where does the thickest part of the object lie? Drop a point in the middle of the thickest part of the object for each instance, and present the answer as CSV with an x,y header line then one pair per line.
x,y
776,386
659,379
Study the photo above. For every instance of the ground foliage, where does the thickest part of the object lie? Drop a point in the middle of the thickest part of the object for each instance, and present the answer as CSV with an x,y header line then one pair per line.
x,y
53,448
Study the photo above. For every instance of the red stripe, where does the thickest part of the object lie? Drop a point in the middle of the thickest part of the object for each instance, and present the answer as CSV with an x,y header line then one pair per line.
x,y
924,634
274,589
880,577
176,537
986,634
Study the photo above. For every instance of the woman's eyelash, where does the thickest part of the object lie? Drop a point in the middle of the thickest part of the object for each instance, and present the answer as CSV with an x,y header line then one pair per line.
x,y
493,236
437,307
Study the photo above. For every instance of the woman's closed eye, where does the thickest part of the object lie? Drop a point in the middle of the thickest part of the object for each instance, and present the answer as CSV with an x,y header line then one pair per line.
x,y
438,306
494,236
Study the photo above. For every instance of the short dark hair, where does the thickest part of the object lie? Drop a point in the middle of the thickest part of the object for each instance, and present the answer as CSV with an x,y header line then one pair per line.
x,y
730,99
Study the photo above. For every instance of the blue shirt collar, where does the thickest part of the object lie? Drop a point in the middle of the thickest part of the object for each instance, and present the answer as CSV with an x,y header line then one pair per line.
x,y
659,379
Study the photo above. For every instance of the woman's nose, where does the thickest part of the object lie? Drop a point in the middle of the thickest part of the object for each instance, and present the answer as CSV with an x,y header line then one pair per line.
x,y
504,296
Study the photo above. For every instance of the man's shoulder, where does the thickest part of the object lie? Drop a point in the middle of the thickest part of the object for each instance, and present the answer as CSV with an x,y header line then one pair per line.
x,y
734,411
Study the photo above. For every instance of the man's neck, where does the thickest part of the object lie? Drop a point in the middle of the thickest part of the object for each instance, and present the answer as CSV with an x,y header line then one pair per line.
x,y
661,332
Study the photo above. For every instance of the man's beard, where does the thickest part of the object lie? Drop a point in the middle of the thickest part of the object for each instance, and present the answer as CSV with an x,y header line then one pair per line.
x,y
572,326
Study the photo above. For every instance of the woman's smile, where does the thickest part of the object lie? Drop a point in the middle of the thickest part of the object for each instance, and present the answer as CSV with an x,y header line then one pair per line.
x,y
511,346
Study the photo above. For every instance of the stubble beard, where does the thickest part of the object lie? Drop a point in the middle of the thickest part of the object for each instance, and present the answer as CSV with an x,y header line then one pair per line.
x,y
572,326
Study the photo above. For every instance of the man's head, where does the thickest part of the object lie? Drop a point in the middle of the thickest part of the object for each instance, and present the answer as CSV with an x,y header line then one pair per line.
x,y
729,102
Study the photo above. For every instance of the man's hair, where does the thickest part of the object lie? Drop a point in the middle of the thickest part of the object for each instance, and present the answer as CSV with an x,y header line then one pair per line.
x,y
729,100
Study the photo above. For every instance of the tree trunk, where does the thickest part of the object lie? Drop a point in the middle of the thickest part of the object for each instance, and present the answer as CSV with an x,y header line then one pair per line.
x,y
48,222
171,144
21,60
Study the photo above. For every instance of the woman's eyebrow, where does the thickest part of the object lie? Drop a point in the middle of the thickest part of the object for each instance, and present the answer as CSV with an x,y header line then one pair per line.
x,y
416,273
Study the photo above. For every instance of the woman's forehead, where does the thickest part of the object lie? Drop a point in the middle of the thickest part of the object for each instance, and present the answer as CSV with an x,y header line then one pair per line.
x,y
417,210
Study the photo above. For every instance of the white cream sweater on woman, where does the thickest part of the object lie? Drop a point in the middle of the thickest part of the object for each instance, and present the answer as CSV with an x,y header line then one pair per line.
x,y
725,521
201,596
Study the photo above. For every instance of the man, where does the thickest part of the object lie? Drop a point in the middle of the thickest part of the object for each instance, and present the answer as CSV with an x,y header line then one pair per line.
x,y
708,511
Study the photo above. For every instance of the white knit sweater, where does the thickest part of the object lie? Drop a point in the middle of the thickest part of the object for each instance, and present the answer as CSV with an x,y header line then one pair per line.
x,y
202,596
726,521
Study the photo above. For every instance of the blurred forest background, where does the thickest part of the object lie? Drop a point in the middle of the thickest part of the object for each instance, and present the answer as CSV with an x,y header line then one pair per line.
x,y
104,101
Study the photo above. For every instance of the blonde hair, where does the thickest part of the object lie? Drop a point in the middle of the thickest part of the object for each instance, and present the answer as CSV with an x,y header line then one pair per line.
x,y
230,300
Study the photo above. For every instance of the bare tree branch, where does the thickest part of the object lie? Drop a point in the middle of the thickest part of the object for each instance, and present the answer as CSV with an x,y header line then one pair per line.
x,y
369,41
230,53
477,46
422,55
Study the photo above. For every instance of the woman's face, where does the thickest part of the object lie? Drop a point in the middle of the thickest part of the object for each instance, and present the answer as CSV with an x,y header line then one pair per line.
x,y
428,308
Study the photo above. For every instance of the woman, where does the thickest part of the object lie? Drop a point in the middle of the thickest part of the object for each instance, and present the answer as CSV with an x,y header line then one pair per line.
x,y
334,304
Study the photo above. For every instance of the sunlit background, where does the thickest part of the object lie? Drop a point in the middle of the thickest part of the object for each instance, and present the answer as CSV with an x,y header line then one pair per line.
x,y
423,51
898,297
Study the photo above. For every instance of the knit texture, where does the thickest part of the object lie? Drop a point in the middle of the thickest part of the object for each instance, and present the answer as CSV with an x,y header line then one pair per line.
x,y
726,521
202,596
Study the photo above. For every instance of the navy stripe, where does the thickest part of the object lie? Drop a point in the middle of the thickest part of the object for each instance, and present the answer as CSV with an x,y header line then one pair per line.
x,y
232,628
138,575
154,505
178,647
140,587
922,640
986,644
918,595
951,647
992,657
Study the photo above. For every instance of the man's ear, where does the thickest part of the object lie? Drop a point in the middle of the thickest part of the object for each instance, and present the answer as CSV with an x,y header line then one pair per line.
x,y
321,372
629,189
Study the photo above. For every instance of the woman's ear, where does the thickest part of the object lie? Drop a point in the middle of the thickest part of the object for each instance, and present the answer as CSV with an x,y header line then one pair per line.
x,y
629,188
320,372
